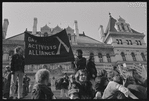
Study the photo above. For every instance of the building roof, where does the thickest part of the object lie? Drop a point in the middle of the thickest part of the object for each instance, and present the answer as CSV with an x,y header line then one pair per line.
x,y
82,38
111,24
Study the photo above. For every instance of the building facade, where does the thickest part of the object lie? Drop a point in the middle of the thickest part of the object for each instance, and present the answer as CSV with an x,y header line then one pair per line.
x,y
118,44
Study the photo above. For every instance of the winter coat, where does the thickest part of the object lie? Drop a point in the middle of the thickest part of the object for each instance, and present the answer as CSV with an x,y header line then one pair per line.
x,y
41,91
17,63
91,70
80,63
64,83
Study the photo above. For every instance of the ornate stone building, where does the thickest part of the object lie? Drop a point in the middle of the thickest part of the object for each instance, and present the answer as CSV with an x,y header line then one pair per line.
x,y
119,43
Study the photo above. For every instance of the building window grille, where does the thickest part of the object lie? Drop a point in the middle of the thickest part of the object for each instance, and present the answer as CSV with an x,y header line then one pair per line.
x,y
119,41
100,57
140,42
130,42
143,56
127,42
133,57
108,58
123,56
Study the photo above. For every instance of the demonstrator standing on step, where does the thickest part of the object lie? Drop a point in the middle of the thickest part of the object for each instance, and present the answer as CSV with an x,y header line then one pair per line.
x,y
17,68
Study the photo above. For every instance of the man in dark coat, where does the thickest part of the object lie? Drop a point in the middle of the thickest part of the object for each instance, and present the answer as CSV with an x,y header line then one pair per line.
x,y
91,69
80,61
17,69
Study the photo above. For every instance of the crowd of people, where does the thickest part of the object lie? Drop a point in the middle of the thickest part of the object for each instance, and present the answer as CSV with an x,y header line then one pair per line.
x,y
85,83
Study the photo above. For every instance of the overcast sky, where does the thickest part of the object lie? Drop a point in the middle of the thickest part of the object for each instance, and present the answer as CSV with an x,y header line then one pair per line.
x,y
90,15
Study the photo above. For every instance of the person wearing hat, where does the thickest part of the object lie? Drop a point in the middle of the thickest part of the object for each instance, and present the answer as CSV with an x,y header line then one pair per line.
x,y
6,82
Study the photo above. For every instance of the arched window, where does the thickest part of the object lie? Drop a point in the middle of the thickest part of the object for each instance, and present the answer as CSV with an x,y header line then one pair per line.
x,y
123,56
108,58
143,56
100,57
133,56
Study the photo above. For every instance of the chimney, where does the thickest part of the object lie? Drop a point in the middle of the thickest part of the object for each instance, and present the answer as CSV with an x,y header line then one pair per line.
x,y
76,30
101,33
5,27
34,26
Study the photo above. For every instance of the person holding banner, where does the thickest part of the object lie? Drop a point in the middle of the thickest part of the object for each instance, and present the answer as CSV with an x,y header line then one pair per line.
x,y
17,69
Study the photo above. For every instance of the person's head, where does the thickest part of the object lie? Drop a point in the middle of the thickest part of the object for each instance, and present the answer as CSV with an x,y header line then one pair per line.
x,y
79,52
91,58
42,76
118,79
114,67
81,75
7,67
65,75
18,50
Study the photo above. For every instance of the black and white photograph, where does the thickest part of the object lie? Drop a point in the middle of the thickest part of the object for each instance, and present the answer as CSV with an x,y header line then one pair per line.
x,y
74,50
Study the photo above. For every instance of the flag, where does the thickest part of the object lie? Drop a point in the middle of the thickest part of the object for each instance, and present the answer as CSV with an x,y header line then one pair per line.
x,y
50,49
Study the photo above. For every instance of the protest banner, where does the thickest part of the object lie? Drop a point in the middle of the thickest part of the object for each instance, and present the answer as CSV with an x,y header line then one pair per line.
x,y
50,49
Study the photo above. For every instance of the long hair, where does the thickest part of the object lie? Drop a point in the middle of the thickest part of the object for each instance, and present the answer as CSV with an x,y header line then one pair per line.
x,y
42,75
77,75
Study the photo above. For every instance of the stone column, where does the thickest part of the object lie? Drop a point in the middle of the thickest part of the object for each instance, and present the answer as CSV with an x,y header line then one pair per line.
x,y
118,57
139,57
113,58
104,58
128,56
96,58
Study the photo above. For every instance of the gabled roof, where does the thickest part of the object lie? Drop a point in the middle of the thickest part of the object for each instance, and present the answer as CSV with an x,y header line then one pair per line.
x,y
46,27
111,24
81,40
69,29
57,28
